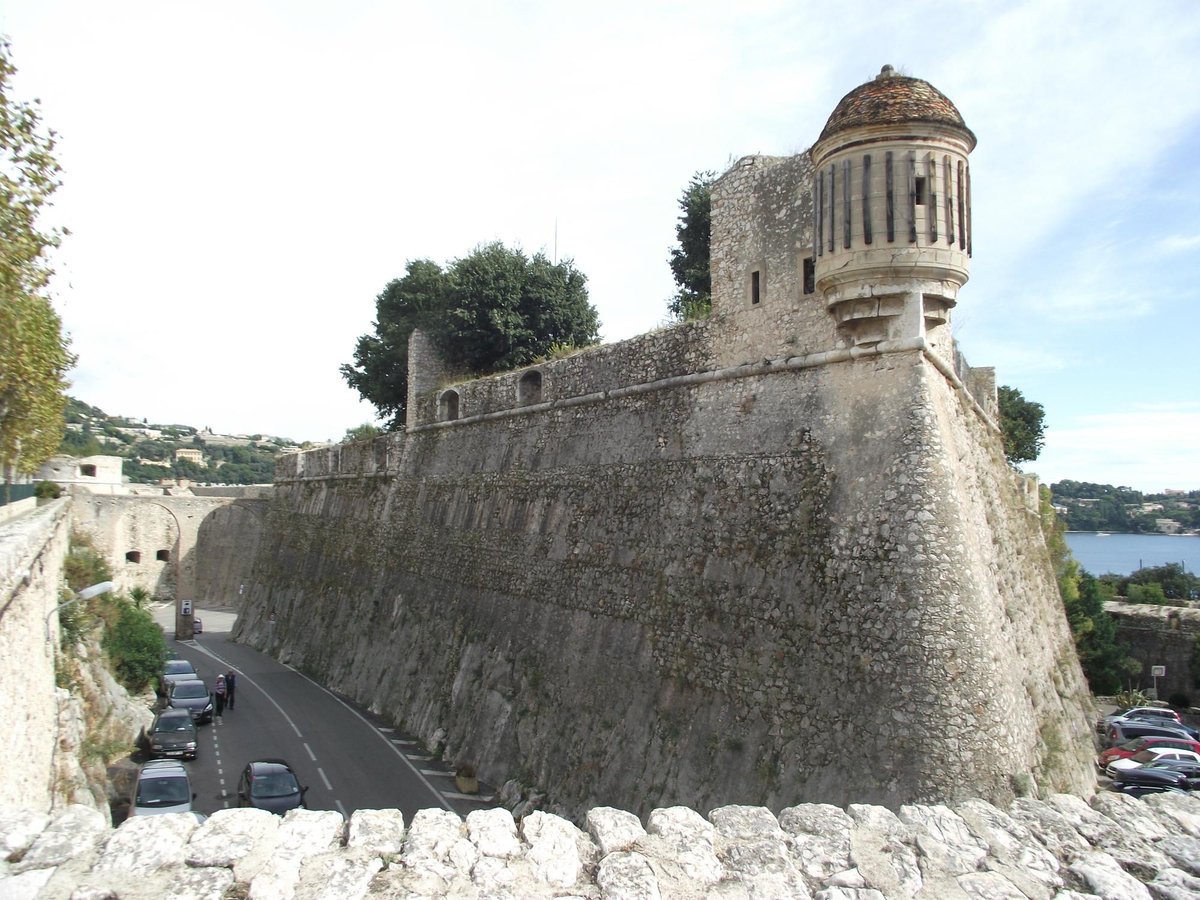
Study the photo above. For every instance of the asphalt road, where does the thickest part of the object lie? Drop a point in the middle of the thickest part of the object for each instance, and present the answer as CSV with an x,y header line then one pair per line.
x,y
347,758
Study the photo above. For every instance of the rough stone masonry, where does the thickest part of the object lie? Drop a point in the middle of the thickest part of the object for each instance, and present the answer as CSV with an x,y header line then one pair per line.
x,y
1059,848
771,557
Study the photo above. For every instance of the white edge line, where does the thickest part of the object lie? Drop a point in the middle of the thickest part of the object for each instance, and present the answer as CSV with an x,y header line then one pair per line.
x,y
442,801
328,786
251,682
312,757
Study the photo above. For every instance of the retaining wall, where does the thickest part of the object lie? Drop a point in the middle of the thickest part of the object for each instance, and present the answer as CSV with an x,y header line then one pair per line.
x,y
700,591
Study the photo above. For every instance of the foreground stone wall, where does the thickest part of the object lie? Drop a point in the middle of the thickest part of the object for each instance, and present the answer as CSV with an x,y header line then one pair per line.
x,y
700,591
1064,848
32,548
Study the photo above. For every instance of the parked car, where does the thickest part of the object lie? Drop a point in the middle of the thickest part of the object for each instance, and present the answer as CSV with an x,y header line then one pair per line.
x,y
1149,755
270,784
197,625
192,695
173,734
1124,730
1189,768
175,670
162,787
1161,712
1150,780
1162,720
1136,745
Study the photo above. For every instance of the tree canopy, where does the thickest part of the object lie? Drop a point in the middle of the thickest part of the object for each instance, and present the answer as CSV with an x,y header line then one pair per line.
x,y
1103,660
1021,424
34,354
492,310
690,259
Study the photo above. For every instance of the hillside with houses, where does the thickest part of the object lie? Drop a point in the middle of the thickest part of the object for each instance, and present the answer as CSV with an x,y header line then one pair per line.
x,y
153,453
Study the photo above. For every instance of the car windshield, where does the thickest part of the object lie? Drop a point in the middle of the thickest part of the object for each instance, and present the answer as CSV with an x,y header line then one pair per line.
x,y
163,792
275,784
180,667
1147,755
174,724
189,690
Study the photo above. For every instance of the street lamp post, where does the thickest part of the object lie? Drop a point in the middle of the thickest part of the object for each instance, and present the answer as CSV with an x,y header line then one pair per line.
x,y
87,593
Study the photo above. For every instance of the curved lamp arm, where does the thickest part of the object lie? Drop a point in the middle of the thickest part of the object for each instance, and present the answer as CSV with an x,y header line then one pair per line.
x,y
87,593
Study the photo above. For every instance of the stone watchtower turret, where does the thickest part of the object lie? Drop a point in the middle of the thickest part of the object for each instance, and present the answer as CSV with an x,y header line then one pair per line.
x,y
892,212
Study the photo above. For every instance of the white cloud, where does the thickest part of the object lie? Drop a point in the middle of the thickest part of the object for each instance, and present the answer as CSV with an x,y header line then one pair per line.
x,y
1148,448
1179,243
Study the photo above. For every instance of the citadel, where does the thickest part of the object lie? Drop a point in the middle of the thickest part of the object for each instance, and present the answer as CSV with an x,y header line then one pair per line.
x,y
678,576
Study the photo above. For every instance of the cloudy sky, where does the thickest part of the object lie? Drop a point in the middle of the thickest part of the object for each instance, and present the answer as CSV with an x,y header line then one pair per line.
x,y
242,179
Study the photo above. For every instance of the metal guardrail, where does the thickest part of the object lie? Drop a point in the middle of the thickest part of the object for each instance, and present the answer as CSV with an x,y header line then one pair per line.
x,y
11,493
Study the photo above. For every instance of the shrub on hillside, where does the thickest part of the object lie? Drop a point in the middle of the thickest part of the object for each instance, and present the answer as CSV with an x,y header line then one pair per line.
x,y
84,566
47,490
134,644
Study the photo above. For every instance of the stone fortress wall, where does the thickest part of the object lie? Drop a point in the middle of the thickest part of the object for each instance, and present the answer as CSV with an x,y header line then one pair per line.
x,y
770,557
32,547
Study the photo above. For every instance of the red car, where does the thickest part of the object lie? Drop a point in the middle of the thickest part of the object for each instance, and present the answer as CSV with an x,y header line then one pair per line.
x,y
1137,745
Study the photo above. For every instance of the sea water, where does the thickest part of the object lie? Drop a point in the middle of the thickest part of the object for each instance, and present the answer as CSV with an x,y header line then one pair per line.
x,y
1122,554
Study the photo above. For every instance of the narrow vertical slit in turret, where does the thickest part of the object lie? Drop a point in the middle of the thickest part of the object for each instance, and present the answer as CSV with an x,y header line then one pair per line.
x,y
931,168
846,203
866,198
819,231
890,194
832,204
912,196
962,221
967,220
816,232
949,200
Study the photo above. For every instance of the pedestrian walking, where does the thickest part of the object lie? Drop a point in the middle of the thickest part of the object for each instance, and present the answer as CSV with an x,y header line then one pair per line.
x,y
230,687
219,694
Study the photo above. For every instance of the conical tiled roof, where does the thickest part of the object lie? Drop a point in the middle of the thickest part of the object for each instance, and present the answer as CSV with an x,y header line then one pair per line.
x,y
891,99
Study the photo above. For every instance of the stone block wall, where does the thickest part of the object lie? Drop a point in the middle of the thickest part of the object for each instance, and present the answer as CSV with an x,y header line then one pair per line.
x,y
32,548
1116,847
199,548
1160,636
700,593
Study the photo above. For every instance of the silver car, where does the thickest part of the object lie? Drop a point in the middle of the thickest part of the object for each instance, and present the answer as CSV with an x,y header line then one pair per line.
x,y
162,787
175,670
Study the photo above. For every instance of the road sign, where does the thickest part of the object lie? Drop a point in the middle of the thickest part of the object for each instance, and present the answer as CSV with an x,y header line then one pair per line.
x,y
1158,671
185,607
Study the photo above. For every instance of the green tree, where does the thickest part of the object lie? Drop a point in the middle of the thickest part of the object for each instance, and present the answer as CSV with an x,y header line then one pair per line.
x,y
1172,580
380,369
134,644
689,260
362,432
1021,423
34,354
492,310
1146,593
1103,660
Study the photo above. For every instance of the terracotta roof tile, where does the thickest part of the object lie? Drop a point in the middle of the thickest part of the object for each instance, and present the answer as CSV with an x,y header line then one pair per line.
x,y
891,99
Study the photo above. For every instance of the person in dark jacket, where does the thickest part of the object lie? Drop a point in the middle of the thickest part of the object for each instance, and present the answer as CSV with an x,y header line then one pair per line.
x,y
230,687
